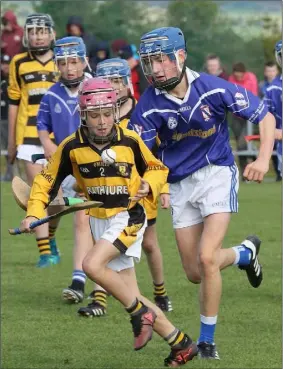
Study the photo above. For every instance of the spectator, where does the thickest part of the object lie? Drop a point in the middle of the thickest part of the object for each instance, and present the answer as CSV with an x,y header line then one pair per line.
x,y
214,66
270,72
242,77
138,79
5,61
118,44
248,80
75,27
11,36
101,52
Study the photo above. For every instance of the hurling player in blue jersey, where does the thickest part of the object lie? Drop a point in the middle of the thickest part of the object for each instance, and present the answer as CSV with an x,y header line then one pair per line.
x,y
273,100
58,113
187,111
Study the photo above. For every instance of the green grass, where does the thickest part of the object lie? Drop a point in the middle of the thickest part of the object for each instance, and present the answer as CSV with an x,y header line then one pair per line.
x,y
40,331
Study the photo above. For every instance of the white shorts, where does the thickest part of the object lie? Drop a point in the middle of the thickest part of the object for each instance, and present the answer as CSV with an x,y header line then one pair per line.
x,y
127,239
67,186
212,189
24,152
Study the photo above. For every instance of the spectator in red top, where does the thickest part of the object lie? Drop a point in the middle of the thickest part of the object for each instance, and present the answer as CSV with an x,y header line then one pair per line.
x,y
12,35
214,66
248,80
242,77
138,79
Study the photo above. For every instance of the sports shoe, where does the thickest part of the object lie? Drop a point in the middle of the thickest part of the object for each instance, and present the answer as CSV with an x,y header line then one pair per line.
x,y
164,303
72,295
142,324
54,251
181,353
56,258
254,269
207,351
45,261
92,309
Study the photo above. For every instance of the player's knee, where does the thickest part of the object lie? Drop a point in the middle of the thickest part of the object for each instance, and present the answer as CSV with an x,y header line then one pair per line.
x,y
148,246
207,262
91,267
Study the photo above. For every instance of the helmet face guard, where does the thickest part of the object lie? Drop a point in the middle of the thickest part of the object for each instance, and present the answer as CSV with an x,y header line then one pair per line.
x,y
154,45
69,48
169,83
38,22
278,53
96,94
119,73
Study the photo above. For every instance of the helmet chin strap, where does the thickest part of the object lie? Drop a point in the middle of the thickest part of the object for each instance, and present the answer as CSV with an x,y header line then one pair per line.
x,y
101,140
39,51
73,83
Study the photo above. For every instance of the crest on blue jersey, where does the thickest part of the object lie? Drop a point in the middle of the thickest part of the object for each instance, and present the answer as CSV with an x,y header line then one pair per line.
x,y
205,112
172,123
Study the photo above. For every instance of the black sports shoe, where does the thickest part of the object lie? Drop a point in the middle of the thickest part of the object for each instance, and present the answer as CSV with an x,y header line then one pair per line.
x,y
163,302
181,353
207,351
254,269
92,309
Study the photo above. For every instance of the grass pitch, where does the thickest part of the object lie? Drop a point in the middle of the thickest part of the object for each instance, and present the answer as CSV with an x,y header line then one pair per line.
x,y
41,331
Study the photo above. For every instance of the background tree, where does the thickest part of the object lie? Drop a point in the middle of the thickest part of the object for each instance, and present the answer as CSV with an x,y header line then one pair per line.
x,y
62,10
207,30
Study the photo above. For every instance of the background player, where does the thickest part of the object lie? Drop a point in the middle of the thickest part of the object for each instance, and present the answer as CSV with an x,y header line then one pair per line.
x,y
31,74
119,73
58,114
273,100
118,225
187,111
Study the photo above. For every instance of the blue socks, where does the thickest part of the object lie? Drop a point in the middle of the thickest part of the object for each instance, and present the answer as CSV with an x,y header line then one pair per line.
x,y
207,329
243,255
78,280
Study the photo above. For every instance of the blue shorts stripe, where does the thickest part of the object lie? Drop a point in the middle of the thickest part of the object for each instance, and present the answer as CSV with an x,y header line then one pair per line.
x,y
233,193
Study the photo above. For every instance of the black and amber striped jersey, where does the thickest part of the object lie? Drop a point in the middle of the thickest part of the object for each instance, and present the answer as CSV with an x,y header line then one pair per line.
x,y
111,184
124,121
29,80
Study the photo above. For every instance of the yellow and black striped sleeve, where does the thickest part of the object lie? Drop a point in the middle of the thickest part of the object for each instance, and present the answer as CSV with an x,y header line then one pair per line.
x,y
149,168
14,87
47,183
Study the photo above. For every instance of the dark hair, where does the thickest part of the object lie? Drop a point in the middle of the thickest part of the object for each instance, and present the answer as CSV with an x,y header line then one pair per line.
x,y
239,67
270,64
211,57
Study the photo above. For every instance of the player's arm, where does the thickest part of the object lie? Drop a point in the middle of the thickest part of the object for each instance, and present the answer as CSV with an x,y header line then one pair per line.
x,y
272,109
144,125
152,171
45,127
14,94
249,107
46,184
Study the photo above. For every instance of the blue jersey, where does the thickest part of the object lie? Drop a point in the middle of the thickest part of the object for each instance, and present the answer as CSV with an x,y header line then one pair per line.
x,y
58,112
194,131
273,100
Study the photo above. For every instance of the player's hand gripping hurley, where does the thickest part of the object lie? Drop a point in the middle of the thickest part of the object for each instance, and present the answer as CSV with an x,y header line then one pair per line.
x,y
71,209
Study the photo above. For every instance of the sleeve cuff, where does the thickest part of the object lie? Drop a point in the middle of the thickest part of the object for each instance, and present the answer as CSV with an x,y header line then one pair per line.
x,y
14,102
